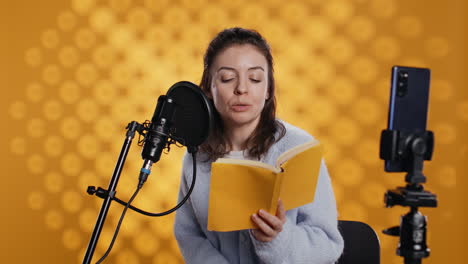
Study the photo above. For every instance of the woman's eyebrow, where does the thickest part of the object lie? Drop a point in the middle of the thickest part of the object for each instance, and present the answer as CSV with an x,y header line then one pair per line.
x,y
256,68
226,68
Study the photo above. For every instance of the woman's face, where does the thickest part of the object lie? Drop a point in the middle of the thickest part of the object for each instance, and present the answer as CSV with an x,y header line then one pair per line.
x,y
239,85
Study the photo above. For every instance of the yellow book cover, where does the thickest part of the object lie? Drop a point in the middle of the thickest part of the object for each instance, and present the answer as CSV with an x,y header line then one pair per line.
x,y
239,188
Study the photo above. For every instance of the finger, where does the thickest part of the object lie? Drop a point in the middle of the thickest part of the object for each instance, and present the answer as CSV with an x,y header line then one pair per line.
x,y
260,236
263,226
271,220
280,212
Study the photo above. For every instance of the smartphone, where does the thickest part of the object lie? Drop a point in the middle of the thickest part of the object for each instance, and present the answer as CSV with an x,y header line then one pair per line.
x,y
409,99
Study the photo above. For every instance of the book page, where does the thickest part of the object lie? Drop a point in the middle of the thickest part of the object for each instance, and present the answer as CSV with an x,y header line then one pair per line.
x,y
300,177
252,163
237,192
294,151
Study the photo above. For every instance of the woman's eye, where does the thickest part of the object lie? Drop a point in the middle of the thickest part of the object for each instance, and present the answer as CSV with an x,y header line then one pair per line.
x,y
255,80
226,80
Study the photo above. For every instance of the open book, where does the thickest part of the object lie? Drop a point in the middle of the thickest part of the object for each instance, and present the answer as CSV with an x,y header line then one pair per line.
x,y
239,188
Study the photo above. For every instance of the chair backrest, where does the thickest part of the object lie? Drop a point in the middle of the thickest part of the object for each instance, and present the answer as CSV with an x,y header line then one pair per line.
x,y
361,244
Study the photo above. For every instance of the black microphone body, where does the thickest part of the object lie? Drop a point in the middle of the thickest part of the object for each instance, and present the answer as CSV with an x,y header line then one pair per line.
x,y
156,136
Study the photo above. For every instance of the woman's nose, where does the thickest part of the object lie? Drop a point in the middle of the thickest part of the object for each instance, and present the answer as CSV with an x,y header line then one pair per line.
x,y
241,88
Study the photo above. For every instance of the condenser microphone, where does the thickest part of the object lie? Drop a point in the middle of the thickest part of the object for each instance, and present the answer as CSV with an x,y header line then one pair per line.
x,y
184,115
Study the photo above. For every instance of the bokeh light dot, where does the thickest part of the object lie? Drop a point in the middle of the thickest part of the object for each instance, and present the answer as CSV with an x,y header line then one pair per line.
x,y
86,74
339,11
345,131
127,256
83,6
53,181
446,133
348,172
36,200
363,69
85,38
36,164
88,146
18,145
366,110
87,219
71,164
70,127
370,191
462,110
441,90
165,257
71,239
340,50
386,48
34,92
35,127
72,201
317,32
68,56
120,36
409,26
53,146
146,243
69,92
361,28
17,110
437,47
139,18
66,20
33,57
104,56
447,176
50,38
368,151
353,210
87,110
342,90
51,74
383,8
54,219
52,110
123,5
102,19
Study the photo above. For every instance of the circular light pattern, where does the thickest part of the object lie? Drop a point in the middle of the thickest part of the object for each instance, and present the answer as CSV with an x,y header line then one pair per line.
x,y
71,239
18,145
437,47
409,26
72,201
71,164
146,243
68,56
34,92
36,200
53,181
52,110
53,146
50,38
66,21
110,69
18,110
51,74
54,219
36,164
33,57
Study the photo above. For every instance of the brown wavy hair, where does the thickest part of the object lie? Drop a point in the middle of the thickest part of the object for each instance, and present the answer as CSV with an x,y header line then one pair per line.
x,y
269,130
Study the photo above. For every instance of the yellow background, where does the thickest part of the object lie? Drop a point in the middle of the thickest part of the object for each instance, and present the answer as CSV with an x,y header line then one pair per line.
x,y
74,73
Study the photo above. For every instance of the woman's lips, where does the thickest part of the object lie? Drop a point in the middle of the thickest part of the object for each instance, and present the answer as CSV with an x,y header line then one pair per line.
x,y
240,107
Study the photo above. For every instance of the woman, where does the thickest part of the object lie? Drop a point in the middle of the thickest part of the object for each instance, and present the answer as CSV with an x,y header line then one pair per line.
x,y
238,78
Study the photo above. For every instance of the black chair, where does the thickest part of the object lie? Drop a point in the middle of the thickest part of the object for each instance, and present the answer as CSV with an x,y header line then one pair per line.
x,y
361,244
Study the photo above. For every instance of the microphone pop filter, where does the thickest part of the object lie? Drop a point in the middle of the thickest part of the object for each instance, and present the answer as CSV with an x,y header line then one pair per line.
x,y
193,114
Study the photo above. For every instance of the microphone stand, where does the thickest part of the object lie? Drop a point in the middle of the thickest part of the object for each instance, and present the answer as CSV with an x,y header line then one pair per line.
x,y
132,127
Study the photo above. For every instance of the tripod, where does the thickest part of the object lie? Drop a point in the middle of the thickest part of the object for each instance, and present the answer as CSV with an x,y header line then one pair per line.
x,y
407,151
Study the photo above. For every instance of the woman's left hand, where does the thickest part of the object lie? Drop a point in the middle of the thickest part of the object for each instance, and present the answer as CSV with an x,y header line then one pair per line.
x,y
269,226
